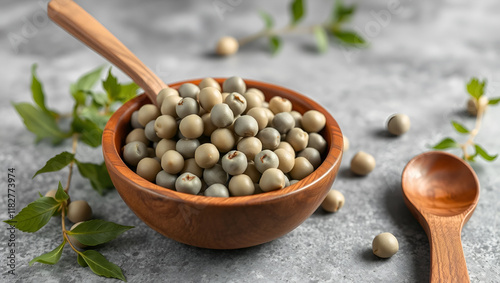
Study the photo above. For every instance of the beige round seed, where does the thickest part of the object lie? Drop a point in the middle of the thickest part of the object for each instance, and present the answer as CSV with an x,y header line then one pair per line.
x,y
147,112
164,93
286,160
333,201
168,105
252,172
208,126
385,245
227,45
362,163
253,100
208,97
163,146
206,155
297,138
165,127
250,147
286,146
223,139
241,185
192,167
272,179
191,126
313,121
172,162
279,104
147,168
260,115
398,124
137,135
78,211
257,92
301,169
206,82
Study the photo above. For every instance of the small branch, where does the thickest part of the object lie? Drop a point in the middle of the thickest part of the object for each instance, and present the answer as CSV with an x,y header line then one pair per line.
x,y
272,32
481,107
73,150
65,235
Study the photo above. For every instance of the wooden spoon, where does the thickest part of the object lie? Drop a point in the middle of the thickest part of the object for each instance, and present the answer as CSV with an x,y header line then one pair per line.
x,y
87,29
441,190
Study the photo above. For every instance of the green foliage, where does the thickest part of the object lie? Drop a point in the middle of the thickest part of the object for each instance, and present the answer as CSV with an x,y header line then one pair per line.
x,y
97,175
101,266
51,257
446,143
297,11
96,232
476,88
321,38
56,163
35,215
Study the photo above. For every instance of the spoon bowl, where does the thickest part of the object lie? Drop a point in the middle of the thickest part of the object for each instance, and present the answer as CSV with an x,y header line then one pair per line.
x,y
441,190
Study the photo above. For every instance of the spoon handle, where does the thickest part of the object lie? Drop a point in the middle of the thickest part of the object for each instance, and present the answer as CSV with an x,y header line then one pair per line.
x,y
87,29
447,255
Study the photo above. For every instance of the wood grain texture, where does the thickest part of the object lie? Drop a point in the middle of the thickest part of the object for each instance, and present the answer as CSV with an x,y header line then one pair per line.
x,y
442,191
222,223
87,29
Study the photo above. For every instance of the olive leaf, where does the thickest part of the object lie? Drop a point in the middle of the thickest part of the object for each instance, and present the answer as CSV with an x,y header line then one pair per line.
x,y
297,11
101,266
51,257
342,13
61,195
494,101
97,231
56,163
91,133
81,261
481,152
268,20
38,93
87,81
274,44
446,143
35,215
350,38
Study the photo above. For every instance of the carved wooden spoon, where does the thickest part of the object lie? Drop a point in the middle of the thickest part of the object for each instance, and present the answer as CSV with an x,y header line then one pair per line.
x,y
441,190
87,29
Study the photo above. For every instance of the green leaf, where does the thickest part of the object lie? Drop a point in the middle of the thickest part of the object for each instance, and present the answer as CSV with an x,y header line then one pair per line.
x,y
61,195
476,88
297,11
481,152
321,38
94,115
51,257
268,20
350,38
274,44
87,81
494,101
127,92
342,13
40,123
99,98
81,261
459,127
38,93
91,134
56,163
97,174
111,87
101,266
35,215
446,143
97,231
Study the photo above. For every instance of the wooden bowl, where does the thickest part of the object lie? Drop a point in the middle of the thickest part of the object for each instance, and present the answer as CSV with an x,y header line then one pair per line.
x,y
222,223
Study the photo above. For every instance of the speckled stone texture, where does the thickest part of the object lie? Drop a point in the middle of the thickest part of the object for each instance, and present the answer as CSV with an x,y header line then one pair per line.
x,y
421,55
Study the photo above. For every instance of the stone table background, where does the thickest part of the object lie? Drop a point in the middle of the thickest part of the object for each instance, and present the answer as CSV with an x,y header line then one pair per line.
x,y
420,58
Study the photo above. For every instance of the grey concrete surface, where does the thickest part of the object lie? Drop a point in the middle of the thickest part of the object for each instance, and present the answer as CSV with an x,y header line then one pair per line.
x,y
418,62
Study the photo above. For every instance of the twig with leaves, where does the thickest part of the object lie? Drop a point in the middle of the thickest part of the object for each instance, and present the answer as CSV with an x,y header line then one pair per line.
x,y
91,111
333,28
477,105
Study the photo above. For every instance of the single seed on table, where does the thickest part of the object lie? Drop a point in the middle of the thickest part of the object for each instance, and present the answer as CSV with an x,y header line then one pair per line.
x,y
188,183
189,90
398,124
172,162
227,45
333,201
362,163
385,245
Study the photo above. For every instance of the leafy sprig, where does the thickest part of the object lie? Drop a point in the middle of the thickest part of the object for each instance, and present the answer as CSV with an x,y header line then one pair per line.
x,y
476,91
332,29
89,115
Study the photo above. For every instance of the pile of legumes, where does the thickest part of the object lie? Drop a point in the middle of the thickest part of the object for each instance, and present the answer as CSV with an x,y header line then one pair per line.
x,y
223,141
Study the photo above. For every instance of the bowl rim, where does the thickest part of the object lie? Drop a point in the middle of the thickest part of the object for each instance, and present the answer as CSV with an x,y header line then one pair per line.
x,y
327,167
